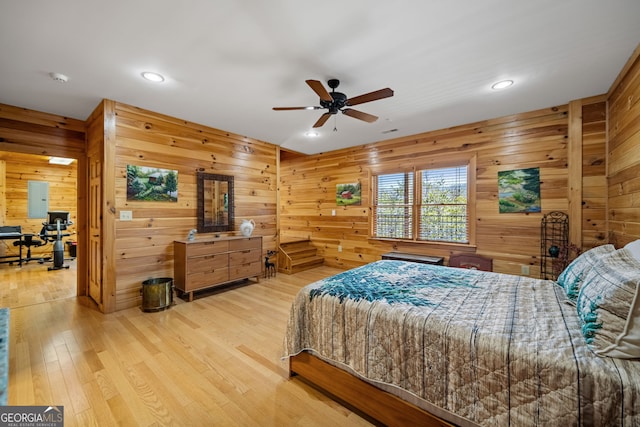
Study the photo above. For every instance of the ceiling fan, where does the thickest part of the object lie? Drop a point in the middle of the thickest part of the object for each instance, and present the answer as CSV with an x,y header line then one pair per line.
x,y
336,102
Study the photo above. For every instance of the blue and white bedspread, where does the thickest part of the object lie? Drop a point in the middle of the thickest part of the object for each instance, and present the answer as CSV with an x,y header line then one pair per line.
x,y
492,348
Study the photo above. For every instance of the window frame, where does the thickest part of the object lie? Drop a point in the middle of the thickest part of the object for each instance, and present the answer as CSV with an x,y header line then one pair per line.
x,y
434,162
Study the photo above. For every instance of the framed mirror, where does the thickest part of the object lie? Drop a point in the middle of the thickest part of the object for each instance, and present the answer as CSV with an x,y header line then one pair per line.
x,y
215,202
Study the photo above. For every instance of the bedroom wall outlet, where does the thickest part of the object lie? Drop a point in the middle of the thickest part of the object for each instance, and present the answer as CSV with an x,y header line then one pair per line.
x,y
524,269
333,212
339,248
126,215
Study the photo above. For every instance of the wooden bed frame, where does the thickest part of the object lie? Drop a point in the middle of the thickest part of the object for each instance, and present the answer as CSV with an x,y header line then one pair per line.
x,y
372,401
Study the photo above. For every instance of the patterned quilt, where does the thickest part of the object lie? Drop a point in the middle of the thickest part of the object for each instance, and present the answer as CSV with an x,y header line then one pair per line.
x,y
492,348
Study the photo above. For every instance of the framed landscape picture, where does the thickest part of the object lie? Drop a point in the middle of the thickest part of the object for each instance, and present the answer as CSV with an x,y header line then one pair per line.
x,y
519,190
348,194
152,184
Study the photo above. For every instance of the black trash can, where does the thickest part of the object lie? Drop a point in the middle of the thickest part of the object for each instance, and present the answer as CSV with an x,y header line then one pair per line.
x,y
73,249
157,294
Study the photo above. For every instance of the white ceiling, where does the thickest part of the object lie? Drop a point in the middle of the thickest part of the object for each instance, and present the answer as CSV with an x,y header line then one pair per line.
x,y
228,62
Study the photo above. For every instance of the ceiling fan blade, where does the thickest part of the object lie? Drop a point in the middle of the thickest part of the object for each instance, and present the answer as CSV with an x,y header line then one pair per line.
x,y
369,118
296,108
371,96
318,88
322,120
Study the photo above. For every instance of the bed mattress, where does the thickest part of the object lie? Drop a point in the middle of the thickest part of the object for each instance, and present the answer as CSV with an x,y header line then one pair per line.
x,y
494,349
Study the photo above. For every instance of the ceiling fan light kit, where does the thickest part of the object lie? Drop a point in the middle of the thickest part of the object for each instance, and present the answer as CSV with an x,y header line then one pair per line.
x,y
335,102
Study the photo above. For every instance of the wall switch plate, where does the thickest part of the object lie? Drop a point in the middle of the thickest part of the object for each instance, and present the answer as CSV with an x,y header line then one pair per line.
x,y
524,269
126,215
333,212
339,248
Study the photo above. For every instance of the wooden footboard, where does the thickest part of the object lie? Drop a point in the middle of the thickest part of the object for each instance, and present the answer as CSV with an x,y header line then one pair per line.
x,y
378,404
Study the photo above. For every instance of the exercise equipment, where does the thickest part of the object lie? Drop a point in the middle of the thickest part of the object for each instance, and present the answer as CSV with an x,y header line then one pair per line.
x,y
56,223
11,232
28,242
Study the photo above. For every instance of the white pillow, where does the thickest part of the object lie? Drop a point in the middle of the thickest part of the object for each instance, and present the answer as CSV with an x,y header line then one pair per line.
x,y
634,248
572,276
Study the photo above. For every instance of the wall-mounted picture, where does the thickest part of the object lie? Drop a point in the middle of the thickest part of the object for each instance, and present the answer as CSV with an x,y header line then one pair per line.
x,y
152,184
519,190
348,194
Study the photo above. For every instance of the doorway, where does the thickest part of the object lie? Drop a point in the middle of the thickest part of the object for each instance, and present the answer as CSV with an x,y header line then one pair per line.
x,y
34,282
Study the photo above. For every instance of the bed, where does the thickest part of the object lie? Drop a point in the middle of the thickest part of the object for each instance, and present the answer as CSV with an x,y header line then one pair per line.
x,y
412,343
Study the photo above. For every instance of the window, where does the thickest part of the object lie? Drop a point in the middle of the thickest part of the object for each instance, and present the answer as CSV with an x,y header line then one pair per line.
x,y
443,205
431,204
393,206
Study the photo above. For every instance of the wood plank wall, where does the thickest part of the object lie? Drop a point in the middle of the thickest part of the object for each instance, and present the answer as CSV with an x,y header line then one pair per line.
x,y
594,172
623,153
22,168
532,139
34,132
144,246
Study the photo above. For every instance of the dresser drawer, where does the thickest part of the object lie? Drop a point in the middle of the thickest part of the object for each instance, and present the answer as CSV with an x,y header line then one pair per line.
x,y
244,244
243,271
210,278
206,248
206,263
244,257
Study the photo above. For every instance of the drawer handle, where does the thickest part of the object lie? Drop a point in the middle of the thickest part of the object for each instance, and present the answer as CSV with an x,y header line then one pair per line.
x,y
210,243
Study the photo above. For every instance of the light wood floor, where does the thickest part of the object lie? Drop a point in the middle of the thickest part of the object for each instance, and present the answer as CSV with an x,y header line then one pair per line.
x,y
213,362
33,283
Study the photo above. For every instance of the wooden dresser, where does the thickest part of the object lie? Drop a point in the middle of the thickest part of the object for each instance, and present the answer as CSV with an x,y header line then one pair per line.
x,y
209,262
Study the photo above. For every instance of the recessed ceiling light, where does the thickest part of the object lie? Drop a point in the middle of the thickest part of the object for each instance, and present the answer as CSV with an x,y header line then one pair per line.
x,y
60,161
311,134
502,84
153,77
